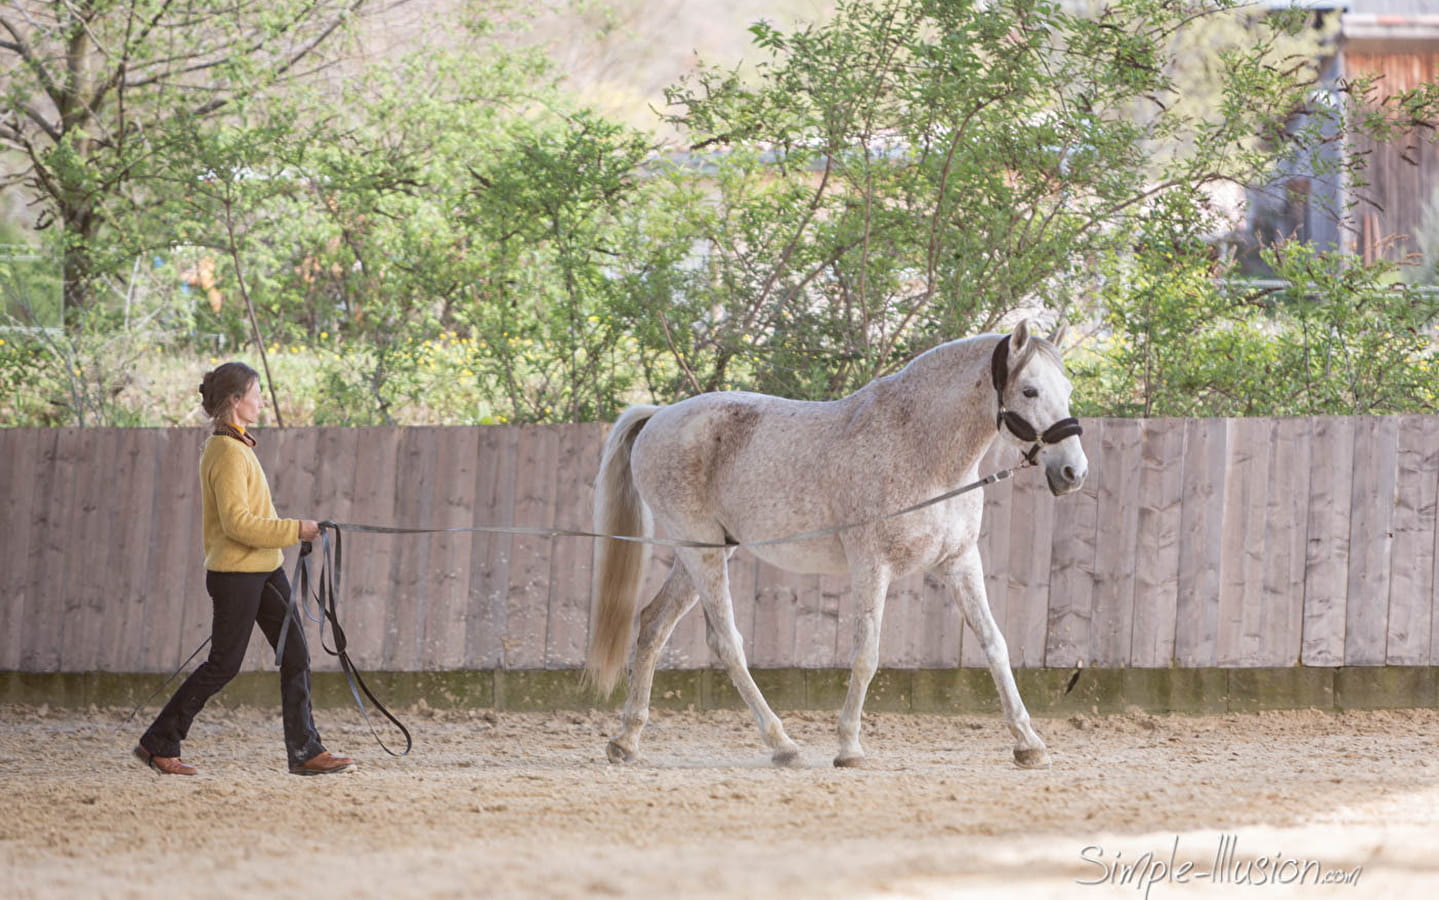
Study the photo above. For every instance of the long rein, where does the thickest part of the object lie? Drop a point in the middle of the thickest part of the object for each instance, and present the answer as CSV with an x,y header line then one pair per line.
x,y
326,592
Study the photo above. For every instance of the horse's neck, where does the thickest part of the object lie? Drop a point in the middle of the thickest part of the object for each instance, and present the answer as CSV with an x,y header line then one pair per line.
x,y
951,403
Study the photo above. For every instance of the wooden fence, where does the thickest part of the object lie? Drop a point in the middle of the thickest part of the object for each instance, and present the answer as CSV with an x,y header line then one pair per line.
x,y
1195,543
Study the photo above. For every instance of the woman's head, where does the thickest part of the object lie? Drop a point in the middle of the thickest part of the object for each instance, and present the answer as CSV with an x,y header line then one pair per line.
x,y
224,387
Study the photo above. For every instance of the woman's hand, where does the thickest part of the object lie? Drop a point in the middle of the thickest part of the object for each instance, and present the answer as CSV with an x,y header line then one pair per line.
x,y
309,529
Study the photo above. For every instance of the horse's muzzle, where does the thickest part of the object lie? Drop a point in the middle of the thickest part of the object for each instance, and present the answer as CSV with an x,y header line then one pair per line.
x,y
1065,477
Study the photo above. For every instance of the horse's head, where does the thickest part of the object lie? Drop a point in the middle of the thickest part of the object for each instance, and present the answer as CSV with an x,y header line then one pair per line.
x,y
1033,395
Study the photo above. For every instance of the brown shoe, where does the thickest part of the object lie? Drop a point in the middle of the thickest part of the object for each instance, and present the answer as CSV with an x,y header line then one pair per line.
x,y
165,765
325,763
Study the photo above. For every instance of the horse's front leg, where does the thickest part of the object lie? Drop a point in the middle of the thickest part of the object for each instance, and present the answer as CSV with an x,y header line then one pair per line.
x,y
965,574
869,587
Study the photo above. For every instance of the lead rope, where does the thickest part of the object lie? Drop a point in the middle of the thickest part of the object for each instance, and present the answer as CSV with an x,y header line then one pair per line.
x,y
326,597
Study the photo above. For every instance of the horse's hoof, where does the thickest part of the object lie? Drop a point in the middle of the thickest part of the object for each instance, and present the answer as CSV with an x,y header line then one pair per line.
x,y
849,762
1036,758
788,758
618,754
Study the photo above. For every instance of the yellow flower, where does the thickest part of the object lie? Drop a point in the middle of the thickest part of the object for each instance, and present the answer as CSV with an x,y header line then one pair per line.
x,y
324,335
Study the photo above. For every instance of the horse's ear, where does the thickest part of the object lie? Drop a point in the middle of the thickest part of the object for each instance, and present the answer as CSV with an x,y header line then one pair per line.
x,y
1019,341
1056,337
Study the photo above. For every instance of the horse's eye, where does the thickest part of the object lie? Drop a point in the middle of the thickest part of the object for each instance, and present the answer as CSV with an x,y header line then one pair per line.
x,y
1031,392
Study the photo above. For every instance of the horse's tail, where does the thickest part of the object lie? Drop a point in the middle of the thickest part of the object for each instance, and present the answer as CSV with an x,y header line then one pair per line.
x,y
619,565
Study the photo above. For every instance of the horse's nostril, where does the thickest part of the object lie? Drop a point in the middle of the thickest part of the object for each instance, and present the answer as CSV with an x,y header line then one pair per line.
x,y
1069,474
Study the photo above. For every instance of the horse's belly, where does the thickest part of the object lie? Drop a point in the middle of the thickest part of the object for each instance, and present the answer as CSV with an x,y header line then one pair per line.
x,y
820,556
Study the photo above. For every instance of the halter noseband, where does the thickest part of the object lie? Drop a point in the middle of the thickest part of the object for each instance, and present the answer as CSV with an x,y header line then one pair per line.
x,y
1018,425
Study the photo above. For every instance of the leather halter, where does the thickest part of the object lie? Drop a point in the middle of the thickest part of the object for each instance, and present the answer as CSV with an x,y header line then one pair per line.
x,y
1018,425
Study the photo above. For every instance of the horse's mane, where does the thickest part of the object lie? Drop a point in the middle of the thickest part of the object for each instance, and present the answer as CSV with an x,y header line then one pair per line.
x,y
945,350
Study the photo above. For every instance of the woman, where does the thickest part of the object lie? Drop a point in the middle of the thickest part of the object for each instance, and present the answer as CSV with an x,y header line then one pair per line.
x,y
246,581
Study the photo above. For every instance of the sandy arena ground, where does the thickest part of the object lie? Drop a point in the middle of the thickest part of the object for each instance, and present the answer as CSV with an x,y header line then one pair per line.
x,y
524,805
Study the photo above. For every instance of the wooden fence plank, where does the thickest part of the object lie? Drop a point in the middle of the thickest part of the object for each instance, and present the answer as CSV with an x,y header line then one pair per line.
x,y
1326,559
1246,496
1412,563
1072,571
846,614
139,585
572,559
1201,528
1117,527
176,551
902,641
44,621
125,536
816,625
834,597
444,638
1156,555
527,600
20,475
1371,537
774,617
367,569
416,473
40,591
903,621
78,584
487,620
1413,589
942,621
90,587
1434,574
1281,604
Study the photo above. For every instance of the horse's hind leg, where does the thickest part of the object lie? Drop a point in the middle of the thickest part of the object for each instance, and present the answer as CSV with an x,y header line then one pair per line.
x,y
965,575
870,584
725,640
657,623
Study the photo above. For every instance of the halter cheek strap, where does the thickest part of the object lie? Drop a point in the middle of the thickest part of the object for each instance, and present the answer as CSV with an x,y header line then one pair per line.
x,y
1018,425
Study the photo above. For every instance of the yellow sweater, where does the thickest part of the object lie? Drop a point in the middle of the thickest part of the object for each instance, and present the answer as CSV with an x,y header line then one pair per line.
x,y
241,531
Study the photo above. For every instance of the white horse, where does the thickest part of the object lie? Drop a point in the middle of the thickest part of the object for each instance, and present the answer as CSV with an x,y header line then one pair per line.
x,y
730,468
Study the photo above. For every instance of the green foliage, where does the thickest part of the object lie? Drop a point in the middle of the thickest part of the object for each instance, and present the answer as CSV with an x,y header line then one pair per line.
x,y
451,238
1334,338
74,377
912,171
30,290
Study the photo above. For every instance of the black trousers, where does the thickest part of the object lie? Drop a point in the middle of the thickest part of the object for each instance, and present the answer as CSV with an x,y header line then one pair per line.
x,y
242,600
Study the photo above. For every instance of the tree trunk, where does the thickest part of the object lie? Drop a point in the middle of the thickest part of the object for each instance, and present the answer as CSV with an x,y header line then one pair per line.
x,y
78,225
